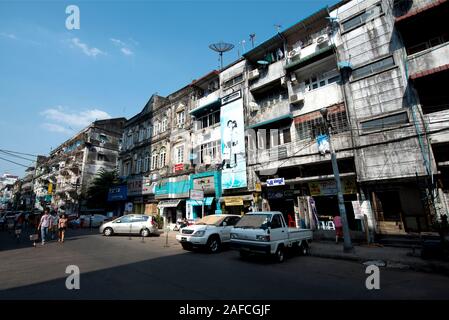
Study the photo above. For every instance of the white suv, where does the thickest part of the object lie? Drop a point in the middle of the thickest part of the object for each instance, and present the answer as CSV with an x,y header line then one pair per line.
x,y
130,224
210,232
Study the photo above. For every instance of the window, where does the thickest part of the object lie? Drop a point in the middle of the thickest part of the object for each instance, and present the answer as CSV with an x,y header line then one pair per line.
x,y
310,127
211,149
149,131
154,159
276,222
233,81
363,17
180,118
138,166
162,158
385,122
141,133
209,119
321,80
372,68
103,138
231,221
164,125
101,157
127,169
146,163
156,129
272,97
129,140
179,154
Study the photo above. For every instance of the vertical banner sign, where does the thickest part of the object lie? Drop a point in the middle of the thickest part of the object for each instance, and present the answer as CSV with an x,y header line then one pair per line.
x,y
233,145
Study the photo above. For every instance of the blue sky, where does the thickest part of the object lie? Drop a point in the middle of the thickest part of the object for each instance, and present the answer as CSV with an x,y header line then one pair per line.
x,y
54,81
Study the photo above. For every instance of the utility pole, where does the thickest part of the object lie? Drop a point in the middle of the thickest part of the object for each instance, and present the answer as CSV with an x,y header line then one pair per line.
x,y
347,244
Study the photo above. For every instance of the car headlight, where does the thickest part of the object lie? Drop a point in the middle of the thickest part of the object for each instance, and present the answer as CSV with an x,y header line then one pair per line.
x,y
263,238
199,233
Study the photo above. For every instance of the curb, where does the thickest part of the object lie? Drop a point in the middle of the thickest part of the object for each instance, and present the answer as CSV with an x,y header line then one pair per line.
x,y
429,267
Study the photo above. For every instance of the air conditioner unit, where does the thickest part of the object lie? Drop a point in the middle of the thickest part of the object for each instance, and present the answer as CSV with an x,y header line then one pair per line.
x,y
323,39
180,125
295,53
253,107
207,160
296,98
293,78
283,81
253,74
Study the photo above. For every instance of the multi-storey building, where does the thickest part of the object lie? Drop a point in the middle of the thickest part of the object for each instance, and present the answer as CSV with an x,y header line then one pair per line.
x,y
6,190
68,170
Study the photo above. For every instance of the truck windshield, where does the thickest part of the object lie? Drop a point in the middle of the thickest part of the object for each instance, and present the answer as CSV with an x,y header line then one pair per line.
x,y
254,221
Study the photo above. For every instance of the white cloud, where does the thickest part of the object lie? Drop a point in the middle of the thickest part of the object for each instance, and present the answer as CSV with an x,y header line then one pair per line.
x,y
52,127
74,120
124,47
126,51
8,35
91,52
118,42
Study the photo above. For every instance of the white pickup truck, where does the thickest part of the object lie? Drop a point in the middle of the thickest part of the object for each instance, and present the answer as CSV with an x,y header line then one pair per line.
x,y
267,233
210,232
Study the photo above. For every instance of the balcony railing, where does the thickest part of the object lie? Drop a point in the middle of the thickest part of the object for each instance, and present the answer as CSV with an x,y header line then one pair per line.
x,y
269,110
207,100
429,59
316,99
267,74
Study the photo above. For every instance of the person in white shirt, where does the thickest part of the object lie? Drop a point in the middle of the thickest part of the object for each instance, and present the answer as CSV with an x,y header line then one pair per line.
x,y
44,224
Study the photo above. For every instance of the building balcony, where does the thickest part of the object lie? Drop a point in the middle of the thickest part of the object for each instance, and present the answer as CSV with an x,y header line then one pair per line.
x,y
208,100
269,111
429,61
406,9
314,100
312,53
437,126
265,75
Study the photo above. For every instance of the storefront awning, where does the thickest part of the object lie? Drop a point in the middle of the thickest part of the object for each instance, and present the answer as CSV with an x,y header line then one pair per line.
x,y
168,203
207,202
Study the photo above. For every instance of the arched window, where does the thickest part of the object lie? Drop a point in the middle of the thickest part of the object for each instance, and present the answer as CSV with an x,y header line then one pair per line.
x,y
162,157
154,160
146,163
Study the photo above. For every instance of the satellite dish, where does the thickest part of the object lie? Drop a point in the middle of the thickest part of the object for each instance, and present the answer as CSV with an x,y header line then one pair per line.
x,y
221,47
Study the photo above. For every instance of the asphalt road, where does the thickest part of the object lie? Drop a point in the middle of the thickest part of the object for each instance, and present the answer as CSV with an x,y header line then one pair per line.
x,y
123,267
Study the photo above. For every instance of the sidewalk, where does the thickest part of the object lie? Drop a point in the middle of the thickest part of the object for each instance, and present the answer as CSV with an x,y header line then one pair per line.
x,y
389,257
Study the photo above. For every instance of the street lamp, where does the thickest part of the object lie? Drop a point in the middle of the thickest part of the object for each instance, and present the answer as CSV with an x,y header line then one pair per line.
x,y
347,245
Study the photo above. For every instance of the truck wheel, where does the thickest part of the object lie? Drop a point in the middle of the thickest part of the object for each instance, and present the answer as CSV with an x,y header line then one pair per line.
x,y
304,248
213,244
280,254
187,246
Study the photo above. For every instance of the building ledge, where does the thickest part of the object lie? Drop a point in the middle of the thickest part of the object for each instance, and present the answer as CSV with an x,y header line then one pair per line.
x,y
416,11
429,72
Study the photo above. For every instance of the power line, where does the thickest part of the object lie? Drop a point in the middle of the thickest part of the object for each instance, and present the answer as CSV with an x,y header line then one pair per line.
x,y
16,156
19,164
16,152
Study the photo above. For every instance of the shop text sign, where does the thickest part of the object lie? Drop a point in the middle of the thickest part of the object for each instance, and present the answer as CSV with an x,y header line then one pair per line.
x,y
196,194
329,187
275,182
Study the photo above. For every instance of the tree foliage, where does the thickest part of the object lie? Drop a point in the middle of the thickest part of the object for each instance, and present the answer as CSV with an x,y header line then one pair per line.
x,y
97,192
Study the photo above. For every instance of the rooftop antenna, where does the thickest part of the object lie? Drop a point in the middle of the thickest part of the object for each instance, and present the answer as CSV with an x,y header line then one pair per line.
x,y
252,36
221,47
278,27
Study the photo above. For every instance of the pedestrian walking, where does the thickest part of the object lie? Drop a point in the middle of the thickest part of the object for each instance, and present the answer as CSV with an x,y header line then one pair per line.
x,y
44,224
53,229
338,228
62,227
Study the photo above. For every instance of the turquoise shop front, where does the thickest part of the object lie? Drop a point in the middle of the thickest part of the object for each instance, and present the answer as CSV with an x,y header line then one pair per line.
x,y
172,194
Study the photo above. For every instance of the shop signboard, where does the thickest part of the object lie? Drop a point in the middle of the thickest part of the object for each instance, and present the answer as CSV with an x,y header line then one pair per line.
x,y
134,186
179,167
329,187
275,182
233,201
175,187
129,207
205,183
361,208
232,128
196,194
118,193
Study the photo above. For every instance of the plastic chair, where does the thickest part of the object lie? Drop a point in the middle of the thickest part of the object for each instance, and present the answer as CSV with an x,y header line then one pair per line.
x,y
330,225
